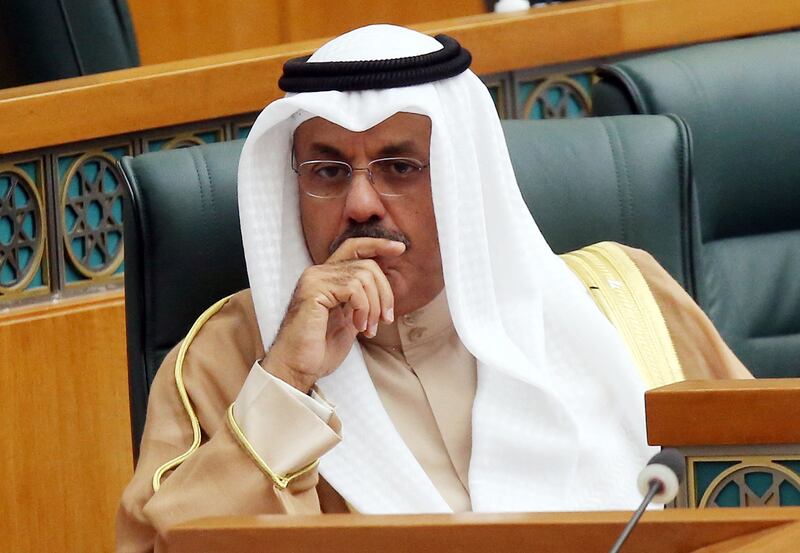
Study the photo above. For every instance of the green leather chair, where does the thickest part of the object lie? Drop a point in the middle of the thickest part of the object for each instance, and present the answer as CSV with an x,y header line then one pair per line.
x,y
183,252
45,40
741,100
623,179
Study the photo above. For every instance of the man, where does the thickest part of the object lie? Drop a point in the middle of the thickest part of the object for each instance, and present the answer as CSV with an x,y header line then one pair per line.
x,y
409,343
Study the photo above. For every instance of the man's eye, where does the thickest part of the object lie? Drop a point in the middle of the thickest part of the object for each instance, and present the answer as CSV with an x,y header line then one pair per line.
x,y
329,172
399,168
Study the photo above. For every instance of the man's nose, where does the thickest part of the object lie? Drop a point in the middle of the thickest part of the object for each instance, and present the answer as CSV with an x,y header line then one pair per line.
x,y
362,201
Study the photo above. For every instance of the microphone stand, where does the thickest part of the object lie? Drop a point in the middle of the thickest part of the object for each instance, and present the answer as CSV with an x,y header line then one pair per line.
x,y
655,487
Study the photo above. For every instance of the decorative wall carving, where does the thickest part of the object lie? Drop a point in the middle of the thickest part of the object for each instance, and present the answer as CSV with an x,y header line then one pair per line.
x,y
23,230
91,215
185,139
555,96
88,192
743,481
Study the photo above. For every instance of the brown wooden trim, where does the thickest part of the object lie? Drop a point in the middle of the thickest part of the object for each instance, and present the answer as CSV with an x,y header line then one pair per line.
x,y
61,307
673,531
783,539
724,412
219,86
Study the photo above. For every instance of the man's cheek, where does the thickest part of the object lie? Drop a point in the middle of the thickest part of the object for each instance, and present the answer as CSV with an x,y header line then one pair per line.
x,y
398,282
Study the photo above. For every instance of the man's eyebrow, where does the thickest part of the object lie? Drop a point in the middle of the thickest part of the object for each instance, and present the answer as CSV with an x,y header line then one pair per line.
x,y
399,149
320,148
403,148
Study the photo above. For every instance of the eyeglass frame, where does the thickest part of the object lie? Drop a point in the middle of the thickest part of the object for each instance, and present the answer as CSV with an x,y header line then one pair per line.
x,y
370,176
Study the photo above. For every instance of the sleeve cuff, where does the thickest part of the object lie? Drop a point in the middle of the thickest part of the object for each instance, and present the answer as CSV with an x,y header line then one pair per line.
x,y
284,430
315,401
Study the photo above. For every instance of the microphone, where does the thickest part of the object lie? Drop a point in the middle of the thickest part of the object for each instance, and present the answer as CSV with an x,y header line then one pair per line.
x,y
658,482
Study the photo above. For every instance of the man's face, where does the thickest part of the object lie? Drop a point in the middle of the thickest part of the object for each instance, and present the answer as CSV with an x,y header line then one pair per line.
x,y
415,276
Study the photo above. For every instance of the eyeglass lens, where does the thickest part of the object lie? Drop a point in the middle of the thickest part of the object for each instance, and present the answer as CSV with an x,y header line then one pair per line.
x,y
389,177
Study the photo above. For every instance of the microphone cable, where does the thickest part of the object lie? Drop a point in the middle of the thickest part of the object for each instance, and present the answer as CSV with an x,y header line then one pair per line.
x,y
655,487
660,480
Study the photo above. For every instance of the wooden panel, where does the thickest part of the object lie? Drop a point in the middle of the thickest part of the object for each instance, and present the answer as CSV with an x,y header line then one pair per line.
x,y
242,82
182,29
64,425
670,531
724,412
307,20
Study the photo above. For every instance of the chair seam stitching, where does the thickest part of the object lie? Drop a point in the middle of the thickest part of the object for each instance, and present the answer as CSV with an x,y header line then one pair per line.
x,y
200,182
620,192
214,212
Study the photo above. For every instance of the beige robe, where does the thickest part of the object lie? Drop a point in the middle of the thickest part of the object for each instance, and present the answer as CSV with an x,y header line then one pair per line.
x,y
409,363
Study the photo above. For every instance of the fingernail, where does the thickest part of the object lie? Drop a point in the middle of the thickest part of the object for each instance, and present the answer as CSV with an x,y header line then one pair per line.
x,y
389,314
373,330
363,326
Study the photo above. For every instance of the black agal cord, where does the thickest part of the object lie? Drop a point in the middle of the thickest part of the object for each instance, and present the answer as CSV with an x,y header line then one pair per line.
x,y
300,75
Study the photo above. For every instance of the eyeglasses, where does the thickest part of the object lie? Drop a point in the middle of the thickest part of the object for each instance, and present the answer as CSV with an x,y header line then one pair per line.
x,y
389,176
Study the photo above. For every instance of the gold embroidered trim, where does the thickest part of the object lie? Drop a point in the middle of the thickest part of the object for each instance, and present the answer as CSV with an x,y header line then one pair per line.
x,y
622,293
281,482
187,404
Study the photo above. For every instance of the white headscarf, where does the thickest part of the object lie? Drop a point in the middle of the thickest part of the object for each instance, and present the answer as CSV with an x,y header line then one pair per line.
x,y
558,417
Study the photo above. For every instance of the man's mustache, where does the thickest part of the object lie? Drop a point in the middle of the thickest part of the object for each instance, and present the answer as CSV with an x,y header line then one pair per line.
x,y
369,229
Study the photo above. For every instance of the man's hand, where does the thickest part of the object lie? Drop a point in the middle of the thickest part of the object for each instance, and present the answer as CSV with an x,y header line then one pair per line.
x,y
331,304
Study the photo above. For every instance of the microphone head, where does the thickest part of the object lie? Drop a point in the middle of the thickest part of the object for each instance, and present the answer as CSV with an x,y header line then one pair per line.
x,y
667,467
671,458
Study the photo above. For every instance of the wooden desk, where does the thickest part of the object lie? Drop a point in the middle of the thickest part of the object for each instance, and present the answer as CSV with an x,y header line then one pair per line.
x,y
671,531
724,412
740,438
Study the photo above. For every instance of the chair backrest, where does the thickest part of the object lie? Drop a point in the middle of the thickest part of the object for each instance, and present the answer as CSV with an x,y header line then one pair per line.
x,y
624,179
183,252
47,40
740,99
621,178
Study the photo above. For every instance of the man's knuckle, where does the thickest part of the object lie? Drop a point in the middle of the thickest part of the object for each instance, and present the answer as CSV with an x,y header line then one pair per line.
x,y
355,286
364,272
309,274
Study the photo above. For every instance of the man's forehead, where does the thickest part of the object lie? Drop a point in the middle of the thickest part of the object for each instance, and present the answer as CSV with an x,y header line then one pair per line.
x,y
408,125
412,122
